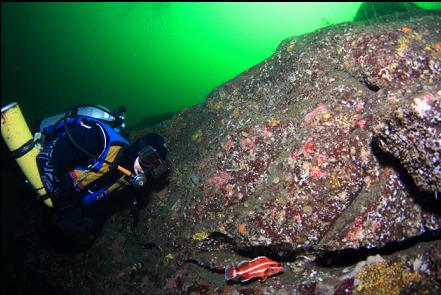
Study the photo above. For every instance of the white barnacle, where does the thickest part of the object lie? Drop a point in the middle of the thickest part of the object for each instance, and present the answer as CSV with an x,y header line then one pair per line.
x,y
421,106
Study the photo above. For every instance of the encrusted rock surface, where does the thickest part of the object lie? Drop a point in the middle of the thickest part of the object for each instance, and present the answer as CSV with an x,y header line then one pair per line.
x,y
412,133
321,156
301,153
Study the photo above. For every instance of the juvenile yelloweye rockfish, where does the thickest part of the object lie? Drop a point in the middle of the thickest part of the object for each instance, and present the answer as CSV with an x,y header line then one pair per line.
x,y
260,267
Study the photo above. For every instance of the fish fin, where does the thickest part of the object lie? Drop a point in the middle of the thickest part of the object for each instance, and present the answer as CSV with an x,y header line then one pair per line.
x,y
230,273
242,263
258,257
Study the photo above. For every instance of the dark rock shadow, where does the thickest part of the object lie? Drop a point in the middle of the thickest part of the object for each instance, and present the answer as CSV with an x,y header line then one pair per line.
x,y
350,257
430,201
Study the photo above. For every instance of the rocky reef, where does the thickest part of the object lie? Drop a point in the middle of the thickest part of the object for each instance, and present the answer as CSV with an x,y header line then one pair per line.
x,y
325,157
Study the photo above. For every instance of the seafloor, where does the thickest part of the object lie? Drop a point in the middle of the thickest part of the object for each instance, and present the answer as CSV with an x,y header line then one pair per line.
x,y
324,157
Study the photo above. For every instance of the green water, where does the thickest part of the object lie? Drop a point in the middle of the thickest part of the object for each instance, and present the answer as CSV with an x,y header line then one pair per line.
x,y
154,58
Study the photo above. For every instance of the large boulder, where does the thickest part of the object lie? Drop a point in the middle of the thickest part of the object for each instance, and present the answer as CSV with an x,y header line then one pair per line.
x,y
288,155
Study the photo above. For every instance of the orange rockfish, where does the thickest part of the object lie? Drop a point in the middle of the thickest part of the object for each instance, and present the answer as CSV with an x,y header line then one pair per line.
x,y
260,267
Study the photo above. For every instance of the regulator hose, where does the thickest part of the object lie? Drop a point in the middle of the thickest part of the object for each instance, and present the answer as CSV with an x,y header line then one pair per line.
x,y
90,155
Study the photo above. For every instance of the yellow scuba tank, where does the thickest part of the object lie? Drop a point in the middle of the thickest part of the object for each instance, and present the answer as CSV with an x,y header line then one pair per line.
x,y
20,142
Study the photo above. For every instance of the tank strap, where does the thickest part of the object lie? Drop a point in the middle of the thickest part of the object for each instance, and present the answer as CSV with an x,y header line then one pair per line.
x,y
44,197
23,150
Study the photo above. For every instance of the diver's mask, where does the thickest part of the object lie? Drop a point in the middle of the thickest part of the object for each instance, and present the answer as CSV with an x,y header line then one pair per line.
x,y
151,163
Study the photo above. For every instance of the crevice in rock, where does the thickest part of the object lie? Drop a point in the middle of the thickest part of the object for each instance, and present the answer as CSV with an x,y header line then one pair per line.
x,y
349,257
275,252
282,252
324,258
216,240
370,85
218,236
197,263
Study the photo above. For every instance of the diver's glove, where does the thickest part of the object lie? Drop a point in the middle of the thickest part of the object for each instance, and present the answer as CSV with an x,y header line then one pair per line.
x,y
65,197
68,211
73,222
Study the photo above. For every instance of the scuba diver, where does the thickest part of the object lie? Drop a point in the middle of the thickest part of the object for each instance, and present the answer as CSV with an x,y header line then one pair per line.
x,y
84,159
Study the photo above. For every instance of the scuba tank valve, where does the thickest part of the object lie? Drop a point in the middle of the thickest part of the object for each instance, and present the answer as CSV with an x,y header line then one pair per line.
x,y
115,118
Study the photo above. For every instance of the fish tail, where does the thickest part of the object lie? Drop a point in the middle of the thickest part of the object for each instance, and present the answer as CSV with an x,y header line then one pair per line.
x,y
230,273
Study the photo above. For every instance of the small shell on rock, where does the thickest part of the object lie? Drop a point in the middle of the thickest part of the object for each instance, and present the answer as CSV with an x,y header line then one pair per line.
x,y
194,179
137,266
